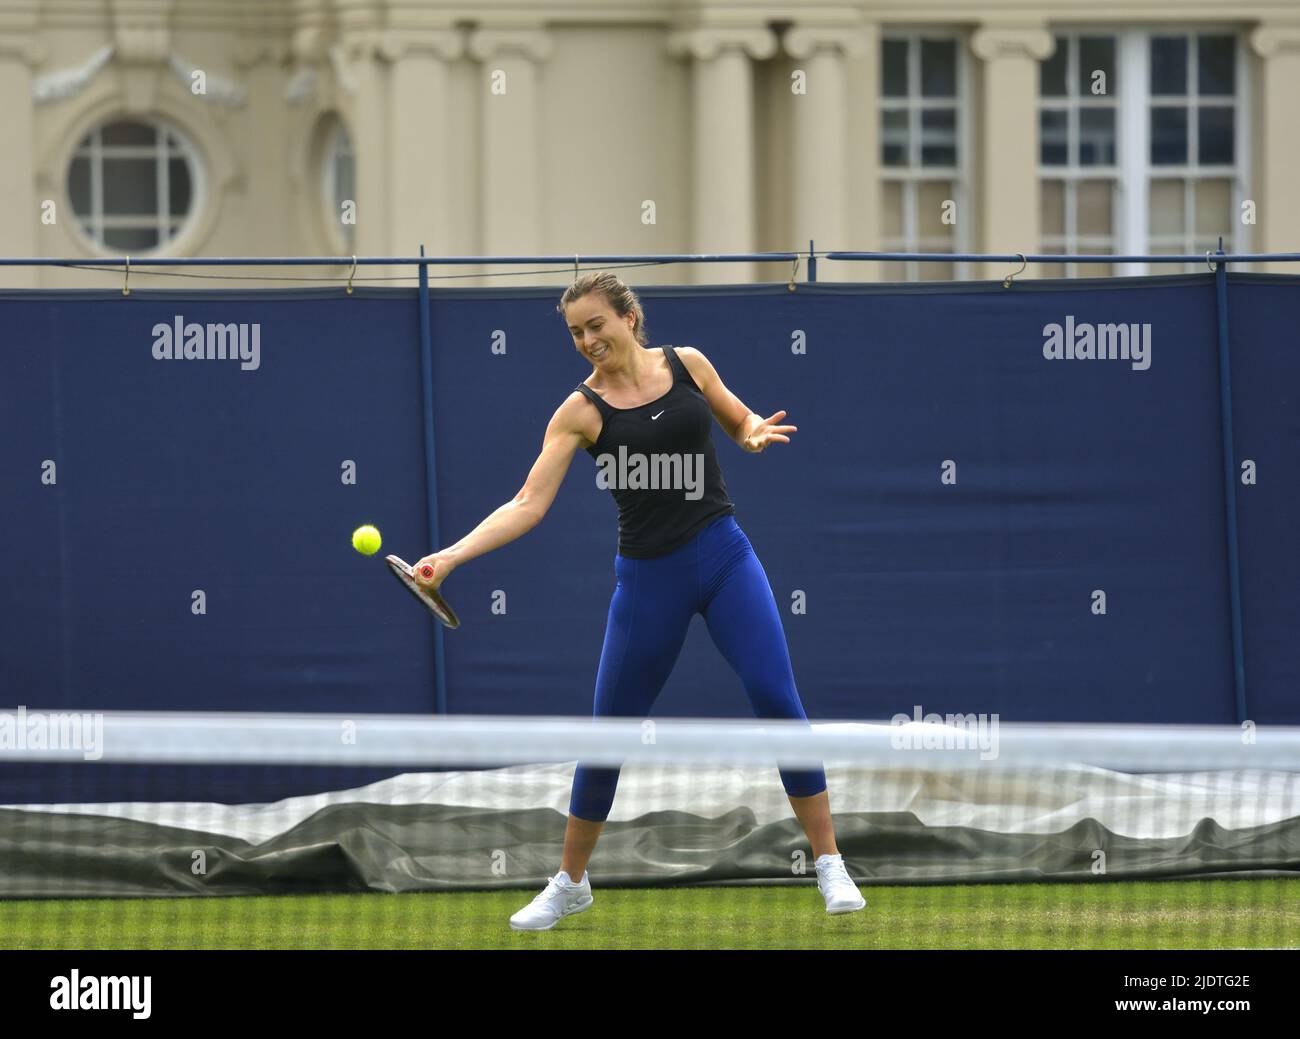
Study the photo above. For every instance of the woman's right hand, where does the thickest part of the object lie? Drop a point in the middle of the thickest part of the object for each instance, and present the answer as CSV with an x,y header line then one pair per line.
x,y
442,567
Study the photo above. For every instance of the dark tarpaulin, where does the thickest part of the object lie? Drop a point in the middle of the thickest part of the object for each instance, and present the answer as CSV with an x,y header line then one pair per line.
x,y
1072,477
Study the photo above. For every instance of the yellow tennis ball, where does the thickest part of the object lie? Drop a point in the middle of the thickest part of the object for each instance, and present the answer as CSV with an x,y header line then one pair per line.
x,y
366,540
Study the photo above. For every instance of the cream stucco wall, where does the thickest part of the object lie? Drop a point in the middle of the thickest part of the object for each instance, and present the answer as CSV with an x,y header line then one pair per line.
x,y
611,108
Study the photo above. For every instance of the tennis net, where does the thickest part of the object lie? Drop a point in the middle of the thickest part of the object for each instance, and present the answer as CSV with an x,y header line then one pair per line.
x,y
961,832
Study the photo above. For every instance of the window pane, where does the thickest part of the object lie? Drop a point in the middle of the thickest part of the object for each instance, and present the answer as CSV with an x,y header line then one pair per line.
x,y
1168,136
938,68
79,185
894,68
131,239
1097,54
1168,65
930,197
344,177
1051,73
1054,138
893,138
938,137
1167,208
1093,209
891,209
1096,137
1213,207
1052,207
126,132
180,188
130,186
1214,140
135,214
1216,64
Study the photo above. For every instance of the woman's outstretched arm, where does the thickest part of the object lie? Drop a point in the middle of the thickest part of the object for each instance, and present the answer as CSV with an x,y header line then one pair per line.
x,y
751,431
525,510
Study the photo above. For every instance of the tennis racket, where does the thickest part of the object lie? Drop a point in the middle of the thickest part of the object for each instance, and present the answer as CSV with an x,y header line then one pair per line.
x,y
430,597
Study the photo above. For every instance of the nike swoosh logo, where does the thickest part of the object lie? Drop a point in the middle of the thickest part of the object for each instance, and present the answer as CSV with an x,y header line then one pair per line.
x,y
653,417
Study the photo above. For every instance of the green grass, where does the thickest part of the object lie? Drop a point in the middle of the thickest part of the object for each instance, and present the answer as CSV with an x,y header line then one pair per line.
x,y
1193,914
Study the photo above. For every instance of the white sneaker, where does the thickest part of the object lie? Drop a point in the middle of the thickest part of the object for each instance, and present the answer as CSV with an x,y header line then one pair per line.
x,y
561,898
841,894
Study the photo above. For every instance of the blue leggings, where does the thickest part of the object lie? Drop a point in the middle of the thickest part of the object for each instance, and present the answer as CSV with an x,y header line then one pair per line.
x,y
718,575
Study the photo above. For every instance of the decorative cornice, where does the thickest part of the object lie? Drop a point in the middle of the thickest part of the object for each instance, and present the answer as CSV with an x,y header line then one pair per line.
x,y
445,44
706,43
803,41
258,50
489,43
342,69
309,43
301,85
220,90
61,83
356,44
1012,41
141,44
1271,39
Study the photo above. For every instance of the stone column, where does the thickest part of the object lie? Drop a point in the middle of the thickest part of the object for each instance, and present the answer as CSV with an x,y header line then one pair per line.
x,y
1277,158
19,233
820,139
1008,218
723,193
419,188
363,82
510,200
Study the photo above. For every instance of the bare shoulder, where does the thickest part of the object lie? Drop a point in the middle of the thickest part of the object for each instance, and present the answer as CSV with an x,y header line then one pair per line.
x,y
576,414
702,371
572,408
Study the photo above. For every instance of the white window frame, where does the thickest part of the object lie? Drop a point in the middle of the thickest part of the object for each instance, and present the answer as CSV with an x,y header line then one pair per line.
x,y
914,174
1132,235
1237,174
92,148
1071,173
343,236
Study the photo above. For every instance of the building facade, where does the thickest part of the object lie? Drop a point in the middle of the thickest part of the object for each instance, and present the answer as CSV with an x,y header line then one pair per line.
x,y
157,128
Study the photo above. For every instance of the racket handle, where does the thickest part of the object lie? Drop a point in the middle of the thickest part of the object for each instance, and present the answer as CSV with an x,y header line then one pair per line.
x,y
426,571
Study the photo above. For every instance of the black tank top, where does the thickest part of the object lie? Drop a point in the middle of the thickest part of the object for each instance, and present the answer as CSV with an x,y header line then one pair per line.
x,y
658,461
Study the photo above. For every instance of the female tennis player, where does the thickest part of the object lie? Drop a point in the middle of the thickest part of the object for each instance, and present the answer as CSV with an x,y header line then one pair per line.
x,y
678,554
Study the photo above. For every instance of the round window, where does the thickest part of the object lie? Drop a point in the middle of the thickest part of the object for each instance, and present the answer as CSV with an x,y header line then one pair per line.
x,y
132,184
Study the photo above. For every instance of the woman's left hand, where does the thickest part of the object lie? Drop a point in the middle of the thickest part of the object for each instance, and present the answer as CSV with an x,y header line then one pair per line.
x,y
768,432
